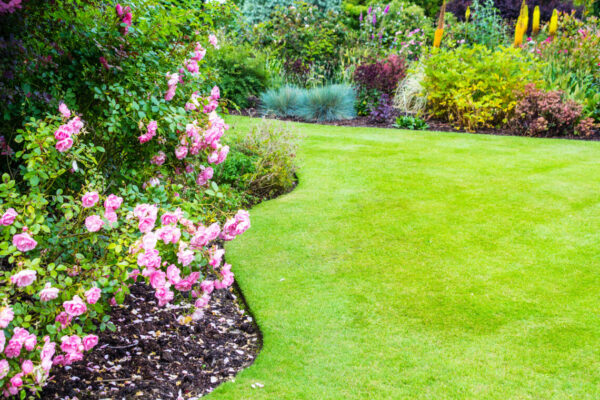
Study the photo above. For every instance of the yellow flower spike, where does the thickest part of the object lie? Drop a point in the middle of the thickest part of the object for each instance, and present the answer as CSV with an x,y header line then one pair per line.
x,y
519,31
467,13
525,17
439,32
553,23
535,24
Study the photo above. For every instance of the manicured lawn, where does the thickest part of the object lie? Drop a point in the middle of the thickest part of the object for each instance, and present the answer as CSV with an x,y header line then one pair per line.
x,y
426,265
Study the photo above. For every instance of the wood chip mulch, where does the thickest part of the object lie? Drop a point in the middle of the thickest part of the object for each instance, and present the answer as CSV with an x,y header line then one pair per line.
x,y
152,356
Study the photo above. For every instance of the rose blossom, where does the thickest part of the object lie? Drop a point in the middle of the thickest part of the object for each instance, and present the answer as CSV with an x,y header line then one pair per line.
x,y
89,199
212,39
71,344
8,217
181,152
202,301
75,307
23,278
89,342
146,224
149,241
2,341
4,368
164,295
93,295
159,159
64,319
113,202
64,110
64,145
27,367
48,293
207,286
93,223
24,242
185,257
6,315
157,279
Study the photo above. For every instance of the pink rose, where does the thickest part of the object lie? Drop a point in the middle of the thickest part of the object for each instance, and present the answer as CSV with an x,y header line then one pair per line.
x,y
202,301
4,368
113,202
111,217
64,145
169,234
149,241
8,217
6,316
173,274
171,218
93,295
119,10
150,259
48,293
30,342
222,154
62,133
13,349
164,296
23,278
185,257
146,224
152,127
159,159
64,110
93,223
71,344
16,381
181,152
75,307
27,367
89,342
215,93
64,319
207,286
157,279
24,242
212,232
216,256
89,199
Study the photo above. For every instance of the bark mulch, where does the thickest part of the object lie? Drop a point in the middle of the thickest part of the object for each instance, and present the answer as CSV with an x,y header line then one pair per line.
x,y
152,356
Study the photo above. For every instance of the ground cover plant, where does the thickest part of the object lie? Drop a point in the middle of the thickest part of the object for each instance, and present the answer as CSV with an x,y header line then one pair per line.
x,y
425,265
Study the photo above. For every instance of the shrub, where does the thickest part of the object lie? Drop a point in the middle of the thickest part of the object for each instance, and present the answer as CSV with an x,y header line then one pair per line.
x,y
476,87
411,122
306,38
383,111
399,26
273,148
328,103
241,72
382,75
256,11
571,62
75,228
541,113
283,102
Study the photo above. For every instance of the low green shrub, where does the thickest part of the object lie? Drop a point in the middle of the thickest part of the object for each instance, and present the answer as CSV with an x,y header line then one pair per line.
x,y
411,122
476,87
328,103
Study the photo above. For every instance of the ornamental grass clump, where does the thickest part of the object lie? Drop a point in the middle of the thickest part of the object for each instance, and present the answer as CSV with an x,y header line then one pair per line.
x,y
328,103
283,102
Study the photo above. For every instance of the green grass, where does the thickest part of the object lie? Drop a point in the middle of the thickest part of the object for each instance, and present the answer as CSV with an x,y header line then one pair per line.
x,y
424,265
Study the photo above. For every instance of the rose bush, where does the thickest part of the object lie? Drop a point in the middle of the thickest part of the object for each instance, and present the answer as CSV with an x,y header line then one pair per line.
x,y
95,200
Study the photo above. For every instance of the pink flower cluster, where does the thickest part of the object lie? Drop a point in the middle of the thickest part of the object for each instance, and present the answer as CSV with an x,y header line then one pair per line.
x,y
63,134
125,16
150,132
172,81
236,225
94,223
10,7
73,346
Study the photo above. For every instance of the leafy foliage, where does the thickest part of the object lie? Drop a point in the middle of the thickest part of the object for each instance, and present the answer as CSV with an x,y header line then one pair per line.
x,y
541,113
411,122
382,75
257,11
476,87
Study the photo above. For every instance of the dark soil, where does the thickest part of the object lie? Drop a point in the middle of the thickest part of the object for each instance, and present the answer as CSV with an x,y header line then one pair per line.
x,y
152,356
434,125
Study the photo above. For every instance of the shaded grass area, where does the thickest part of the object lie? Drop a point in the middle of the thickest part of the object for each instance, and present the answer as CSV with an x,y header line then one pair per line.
x,y
426,265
